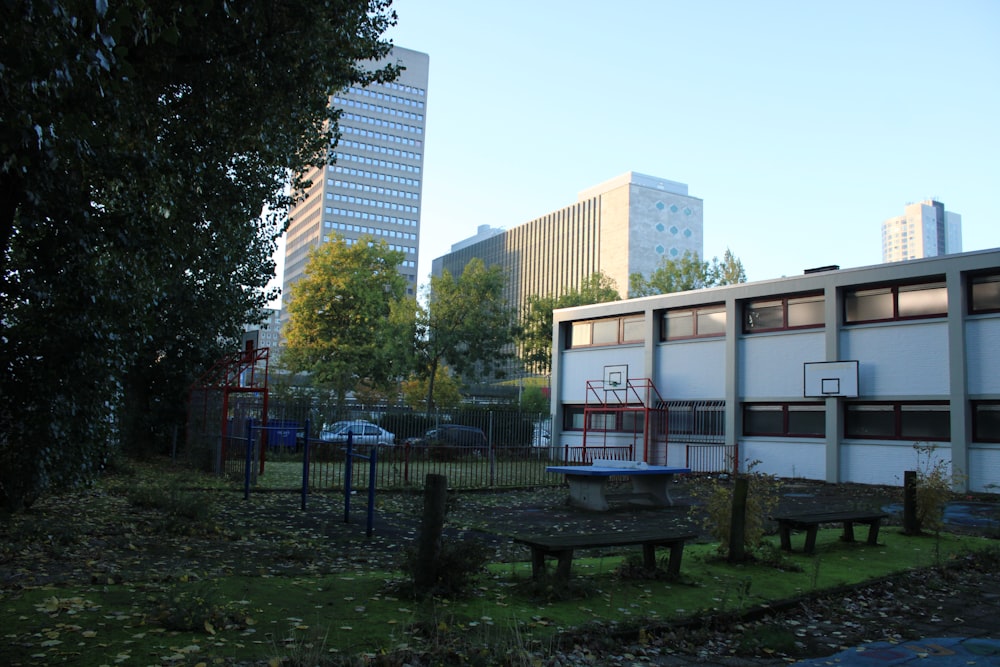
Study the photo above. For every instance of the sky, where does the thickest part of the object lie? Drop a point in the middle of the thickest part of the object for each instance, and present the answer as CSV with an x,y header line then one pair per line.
x,y
801,124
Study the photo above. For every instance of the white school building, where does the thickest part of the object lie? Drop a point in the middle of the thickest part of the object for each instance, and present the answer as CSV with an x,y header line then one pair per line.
x,y
842,375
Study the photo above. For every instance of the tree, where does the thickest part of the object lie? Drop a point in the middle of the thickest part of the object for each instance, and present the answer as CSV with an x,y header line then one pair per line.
x,y
536,333
339,315
447,391
140,147
688,273
466,324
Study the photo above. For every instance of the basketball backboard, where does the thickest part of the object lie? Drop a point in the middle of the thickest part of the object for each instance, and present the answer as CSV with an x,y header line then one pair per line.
x,y
822,379
616,377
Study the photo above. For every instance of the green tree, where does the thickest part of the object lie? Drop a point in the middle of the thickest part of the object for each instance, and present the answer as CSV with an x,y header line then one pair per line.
x,y
339,315
447,391
466,324
536,332
688,273
141,144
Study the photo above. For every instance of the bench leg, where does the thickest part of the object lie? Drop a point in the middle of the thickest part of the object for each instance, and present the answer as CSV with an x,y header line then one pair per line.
x,y
873,532
649,556
676,552
811,539
565,558
848,535
537,563
786,537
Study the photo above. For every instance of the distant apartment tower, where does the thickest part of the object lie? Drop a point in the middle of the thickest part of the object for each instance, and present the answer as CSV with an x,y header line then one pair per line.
x,y
372,190
924,230
626,225
266,333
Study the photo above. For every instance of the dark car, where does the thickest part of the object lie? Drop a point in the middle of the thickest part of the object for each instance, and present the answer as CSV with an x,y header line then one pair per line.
x,y
450,440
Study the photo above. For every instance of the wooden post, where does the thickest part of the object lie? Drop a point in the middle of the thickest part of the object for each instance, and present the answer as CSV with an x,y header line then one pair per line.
x,y
911,522
738,521
425,574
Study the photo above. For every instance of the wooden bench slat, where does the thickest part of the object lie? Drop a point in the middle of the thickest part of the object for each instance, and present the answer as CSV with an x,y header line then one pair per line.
x,y
561,547
810,522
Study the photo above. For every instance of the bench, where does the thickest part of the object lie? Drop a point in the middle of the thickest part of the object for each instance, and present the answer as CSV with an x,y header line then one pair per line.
x,y
561,548
810,522
588,484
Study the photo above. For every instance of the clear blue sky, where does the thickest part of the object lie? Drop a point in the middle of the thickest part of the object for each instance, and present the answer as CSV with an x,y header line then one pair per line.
x,y
801,124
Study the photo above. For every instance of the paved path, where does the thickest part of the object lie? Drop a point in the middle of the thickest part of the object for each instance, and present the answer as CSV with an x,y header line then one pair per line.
x,y
936,652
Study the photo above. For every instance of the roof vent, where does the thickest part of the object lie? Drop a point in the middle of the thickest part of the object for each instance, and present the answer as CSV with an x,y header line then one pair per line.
x,y
822,269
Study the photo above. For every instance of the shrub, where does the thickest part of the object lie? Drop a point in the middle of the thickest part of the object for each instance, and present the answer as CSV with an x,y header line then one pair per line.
x,y
934,484
716,497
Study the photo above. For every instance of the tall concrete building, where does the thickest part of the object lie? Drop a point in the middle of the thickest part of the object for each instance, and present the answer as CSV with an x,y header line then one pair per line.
x,y
623,226
924,230
372,189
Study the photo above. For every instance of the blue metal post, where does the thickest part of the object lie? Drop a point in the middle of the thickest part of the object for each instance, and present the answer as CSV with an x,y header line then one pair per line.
x,y
347,477
249,461
371,489
305,465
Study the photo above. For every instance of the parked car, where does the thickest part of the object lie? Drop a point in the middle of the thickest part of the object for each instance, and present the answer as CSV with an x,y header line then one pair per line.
x,y
452,436
363,433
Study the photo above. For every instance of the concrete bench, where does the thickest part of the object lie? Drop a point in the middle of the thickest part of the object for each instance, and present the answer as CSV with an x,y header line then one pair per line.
x,y
811,521
588,484
561,547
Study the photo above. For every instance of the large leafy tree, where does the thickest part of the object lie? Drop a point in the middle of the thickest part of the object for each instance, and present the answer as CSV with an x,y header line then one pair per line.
x,y
466,324
140,146
536,334
688,273
339,316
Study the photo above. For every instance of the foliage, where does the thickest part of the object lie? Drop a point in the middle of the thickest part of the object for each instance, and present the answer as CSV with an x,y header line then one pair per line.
x,y
447,391
536,333
715,498
466,324
458,567
688,273
339,315
535,399
934,484
145,150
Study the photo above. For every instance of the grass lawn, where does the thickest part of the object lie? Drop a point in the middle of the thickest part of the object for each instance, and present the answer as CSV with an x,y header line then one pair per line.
x,y
187,619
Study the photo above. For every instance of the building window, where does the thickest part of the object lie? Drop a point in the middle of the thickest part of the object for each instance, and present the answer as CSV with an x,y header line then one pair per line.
x,y
984,294
621,421
696,419
986,421
781,313
700,322
608,331
898,421
786,420
896,302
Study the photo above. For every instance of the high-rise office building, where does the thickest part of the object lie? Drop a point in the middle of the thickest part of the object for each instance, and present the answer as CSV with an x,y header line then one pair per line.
x,y
626,225
372,189
924,230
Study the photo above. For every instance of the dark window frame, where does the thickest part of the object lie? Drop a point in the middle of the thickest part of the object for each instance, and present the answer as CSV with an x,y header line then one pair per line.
x,y
694,312
979,279
637,416
621,328
894,289
977,422
897,420
783,407
784,299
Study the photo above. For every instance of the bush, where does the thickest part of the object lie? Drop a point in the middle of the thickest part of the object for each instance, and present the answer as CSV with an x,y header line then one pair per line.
x,y
716,495
934,484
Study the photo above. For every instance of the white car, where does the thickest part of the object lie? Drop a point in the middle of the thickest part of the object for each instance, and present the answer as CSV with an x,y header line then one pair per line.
x,y
363,433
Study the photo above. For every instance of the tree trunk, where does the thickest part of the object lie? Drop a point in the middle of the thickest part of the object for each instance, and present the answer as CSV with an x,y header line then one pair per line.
x,y
911,523
425,575
738,520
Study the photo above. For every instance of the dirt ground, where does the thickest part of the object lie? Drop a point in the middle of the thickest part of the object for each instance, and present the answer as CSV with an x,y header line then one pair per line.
x,y
107,537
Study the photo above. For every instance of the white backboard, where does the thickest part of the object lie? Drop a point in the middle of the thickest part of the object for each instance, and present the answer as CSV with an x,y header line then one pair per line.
x,y
615,377
822,379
